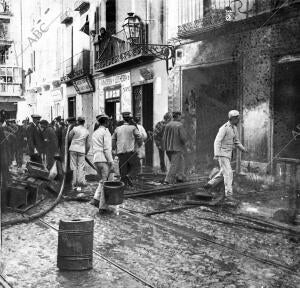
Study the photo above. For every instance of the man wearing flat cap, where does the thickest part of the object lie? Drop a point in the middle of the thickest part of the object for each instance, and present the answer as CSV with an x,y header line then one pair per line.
x,y
97,125
226,140
124,140
50,142
35,139
58,128
102,151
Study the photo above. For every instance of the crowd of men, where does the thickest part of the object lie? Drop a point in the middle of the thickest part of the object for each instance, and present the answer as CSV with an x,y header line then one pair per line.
x,y
45,142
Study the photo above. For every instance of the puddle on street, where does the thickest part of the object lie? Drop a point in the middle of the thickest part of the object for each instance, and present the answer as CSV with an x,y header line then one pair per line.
x,y
255,209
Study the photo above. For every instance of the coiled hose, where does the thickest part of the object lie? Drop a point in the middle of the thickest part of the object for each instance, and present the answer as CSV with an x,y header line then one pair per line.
x,y
44,212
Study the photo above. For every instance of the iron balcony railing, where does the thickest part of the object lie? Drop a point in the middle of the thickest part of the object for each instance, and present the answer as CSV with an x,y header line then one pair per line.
x,y
212,14
10,89
115,51
81,5
76,66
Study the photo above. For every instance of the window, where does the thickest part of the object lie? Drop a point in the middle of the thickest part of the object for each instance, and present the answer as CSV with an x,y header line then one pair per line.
x,y
111,16
97,19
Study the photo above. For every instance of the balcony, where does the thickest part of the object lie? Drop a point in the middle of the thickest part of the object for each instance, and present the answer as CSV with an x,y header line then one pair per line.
x,y
7,89
221,16
67,17
82,6
75,67
115,53
5,13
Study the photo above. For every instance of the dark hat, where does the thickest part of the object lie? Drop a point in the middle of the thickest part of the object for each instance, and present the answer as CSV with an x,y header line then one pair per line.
x,y
101,116
44,122
57,118
176,114
127,115
36,116
71,119
80,119
168,116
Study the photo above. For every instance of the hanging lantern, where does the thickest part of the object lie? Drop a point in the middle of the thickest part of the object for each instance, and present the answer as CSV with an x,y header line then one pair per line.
x,y
132,27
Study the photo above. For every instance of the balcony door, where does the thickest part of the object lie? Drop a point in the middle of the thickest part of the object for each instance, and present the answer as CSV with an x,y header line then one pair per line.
x,y
72,106
143,107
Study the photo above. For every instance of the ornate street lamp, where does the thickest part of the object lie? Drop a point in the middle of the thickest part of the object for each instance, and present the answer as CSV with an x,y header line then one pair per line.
x,y
133,28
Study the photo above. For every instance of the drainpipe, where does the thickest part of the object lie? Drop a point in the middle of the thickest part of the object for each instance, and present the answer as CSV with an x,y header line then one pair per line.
x,y
22,64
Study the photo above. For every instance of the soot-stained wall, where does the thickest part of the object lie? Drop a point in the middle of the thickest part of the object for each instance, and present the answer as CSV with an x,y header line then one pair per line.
x,y
255,54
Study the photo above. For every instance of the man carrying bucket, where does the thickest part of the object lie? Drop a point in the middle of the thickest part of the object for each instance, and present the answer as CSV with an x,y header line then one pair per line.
x,y
103,159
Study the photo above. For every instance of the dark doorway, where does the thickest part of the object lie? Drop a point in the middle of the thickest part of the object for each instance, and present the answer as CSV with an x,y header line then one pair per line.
x,y
72,106
143,107
286,109
112,105
208,94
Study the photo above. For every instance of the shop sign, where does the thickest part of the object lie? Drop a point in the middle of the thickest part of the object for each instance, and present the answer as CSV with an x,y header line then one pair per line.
x,y
115,80
83,85
121,80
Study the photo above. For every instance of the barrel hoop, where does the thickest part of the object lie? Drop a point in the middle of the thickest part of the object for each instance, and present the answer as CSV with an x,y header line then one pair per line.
x,y
75,232
76,257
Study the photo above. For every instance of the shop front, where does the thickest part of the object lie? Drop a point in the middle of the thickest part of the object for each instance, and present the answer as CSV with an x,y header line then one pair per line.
x,y
113,96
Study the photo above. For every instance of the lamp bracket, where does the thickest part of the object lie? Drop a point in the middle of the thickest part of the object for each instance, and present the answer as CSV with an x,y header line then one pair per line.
x,y
160,51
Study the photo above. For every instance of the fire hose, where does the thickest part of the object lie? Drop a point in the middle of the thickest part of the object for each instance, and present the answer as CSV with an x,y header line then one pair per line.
x,y
44,212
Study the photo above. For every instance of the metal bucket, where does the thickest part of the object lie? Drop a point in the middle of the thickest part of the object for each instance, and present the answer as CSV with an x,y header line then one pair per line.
x,y
75,244
113,192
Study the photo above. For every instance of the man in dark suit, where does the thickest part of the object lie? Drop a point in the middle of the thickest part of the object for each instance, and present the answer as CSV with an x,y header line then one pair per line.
x,y
71,121
50,142
35,139
58,130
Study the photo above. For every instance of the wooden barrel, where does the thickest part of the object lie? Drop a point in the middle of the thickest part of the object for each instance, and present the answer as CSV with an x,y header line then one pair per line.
x,y
75,244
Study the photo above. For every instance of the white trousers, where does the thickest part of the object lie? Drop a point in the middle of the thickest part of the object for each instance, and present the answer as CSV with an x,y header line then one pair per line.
x,y
103,172
226,173
77,164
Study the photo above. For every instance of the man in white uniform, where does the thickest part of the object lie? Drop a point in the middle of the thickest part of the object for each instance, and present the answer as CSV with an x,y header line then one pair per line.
x,y
226,140
78,149
101,143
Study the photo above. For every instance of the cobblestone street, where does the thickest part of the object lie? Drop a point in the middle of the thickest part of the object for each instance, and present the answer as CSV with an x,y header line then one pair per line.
x,y
167,250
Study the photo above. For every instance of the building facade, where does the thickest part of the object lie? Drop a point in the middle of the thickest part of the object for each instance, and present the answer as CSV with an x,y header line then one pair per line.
x,y
79,62
11,74
240,55
42,53
131,76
